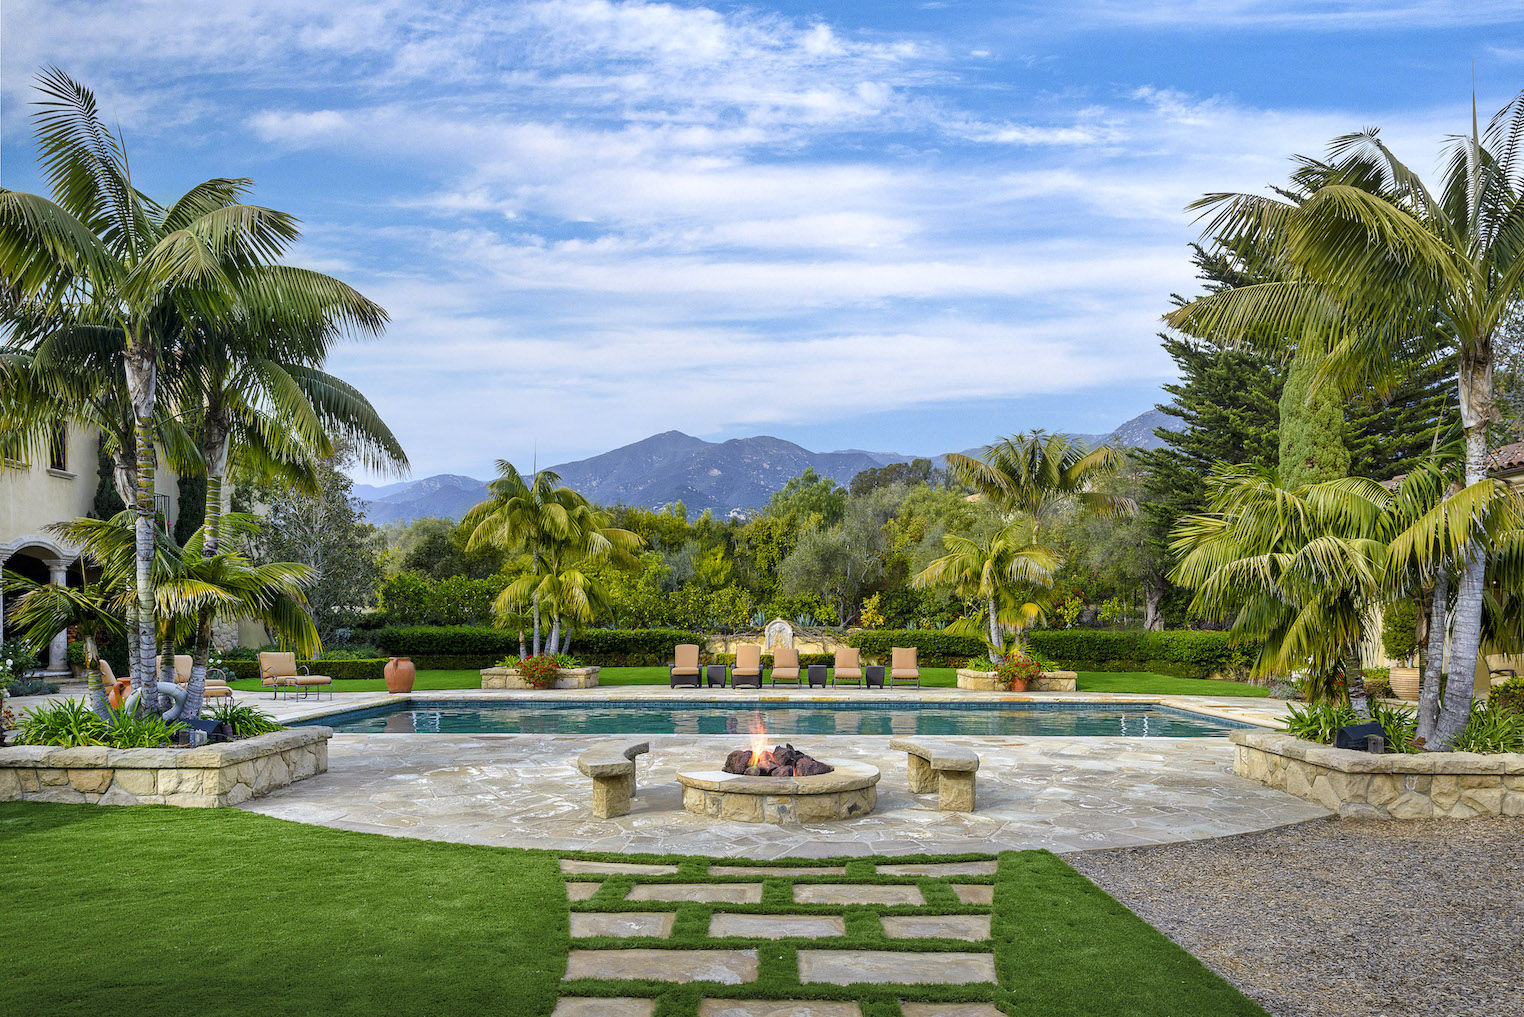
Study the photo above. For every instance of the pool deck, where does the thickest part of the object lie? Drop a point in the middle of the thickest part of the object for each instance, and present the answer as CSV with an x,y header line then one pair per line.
x,y
1060,793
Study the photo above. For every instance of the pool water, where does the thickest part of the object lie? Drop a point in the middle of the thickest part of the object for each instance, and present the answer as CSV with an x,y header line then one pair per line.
x,y
781,720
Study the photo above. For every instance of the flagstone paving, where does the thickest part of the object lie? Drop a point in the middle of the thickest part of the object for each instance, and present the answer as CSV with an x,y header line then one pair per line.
x,y
849,967
1062,794
777,926
971,928
974,893
852,893
623,923
611,1006
736,912
949,1010
726,967
582,891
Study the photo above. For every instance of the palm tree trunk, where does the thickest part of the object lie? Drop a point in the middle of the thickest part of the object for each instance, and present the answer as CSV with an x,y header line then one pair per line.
x,y
521,642
214,454
995,655
1466,632
1434,660
537,623
1354,680
143,676
555,633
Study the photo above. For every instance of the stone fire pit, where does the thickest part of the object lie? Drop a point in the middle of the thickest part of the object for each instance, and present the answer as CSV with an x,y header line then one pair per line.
x,y
845,793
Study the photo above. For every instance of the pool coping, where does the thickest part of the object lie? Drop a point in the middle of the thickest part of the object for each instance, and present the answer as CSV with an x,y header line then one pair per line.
x,y
1257,712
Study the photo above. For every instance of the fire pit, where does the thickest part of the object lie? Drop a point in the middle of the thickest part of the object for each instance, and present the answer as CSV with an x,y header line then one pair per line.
x,y
782,785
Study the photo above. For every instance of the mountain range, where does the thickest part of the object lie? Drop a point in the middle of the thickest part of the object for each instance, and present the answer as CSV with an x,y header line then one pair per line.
x,y
725,477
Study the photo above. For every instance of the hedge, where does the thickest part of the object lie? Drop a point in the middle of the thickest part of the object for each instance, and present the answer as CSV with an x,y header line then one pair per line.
x,y
805,659
1179,653
335,669
934,647
463,647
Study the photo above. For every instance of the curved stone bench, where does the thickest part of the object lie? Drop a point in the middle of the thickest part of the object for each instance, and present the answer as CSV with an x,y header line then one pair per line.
x,y
612,767
942,767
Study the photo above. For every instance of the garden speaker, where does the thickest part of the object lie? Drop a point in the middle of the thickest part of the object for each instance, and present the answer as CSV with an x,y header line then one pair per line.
x,y
1357,736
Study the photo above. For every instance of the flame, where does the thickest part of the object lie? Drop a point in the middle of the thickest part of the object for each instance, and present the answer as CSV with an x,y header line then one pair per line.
x,y
758,740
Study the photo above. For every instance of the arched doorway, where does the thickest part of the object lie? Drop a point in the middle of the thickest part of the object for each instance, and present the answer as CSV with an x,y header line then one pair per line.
x,y
43,560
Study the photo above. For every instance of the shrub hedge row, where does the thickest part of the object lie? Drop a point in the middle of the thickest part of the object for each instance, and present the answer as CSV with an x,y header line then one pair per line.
x,y
934,647
1179,653
335,669
805,659
462,647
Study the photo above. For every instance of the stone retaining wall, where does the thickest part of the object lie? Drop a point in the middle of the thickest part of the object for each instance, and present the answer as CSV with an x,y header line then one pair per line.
x,y
1455,785
1048,681
204,777
566,678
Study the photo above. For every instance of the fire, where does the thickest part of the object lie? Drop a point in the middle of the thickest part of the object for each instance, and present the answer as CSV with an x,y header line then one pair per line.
x,y
758,740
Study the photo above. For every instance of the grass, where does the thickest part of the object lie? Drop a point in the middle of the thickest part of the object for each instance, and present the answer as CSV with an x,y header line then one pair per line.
x,y
236,913
931,677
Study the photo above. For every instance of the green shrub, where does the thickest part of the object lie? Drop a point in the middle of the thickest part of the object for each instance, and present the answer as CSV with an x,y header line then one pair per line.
x,y
1378,682
1492,729
448,647
805,659
1508,696
31,687
1399,629
245,720
68,722
74,654
1179,653
934,647
338,670
1318,722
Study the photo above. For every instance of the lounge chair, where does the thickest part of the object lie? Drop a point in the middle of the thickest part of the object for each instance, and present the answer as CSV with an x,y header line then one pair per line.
x,y
685,666
747,670
848,666
785,665
903,666
279,671
215,688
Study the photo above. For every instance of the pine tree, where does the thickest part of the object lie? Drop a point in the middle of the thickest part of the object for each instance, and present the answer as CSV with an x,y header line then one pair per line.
x,y
1227,402
1312,447
1387,437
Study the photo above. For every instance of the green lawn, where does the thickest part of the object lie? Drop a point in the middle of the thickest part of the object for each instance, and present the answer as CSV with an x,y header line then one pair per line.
x,y
155,910
931,677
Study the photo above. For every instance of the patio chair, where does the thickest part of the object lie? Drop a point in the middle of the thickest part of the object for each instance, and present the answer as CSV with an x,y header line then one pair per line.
x,y
685,666
279,671
848,666
785,665
903,666
214,688
747,669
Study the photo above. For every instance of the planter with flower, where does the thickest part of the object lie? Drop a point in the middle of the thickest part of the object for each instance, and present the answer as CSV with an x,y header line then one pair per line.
x,y
547,671
1019,671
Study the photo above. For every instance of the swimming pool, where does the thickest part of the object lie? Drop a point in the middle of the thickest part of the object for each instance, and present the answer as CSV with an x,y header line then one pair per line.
x,y
781,720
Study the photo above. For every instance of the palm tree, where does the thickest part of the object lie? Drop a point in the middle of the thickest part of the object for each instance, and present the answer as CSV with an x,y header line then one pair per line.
x,y
187,584
1304,569
102,253
1371,258
997,574
555,527
1037,473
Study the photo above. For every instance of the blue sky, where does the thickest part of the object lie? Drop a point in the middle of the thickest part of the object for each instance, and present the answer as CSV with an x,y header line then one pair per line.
x,y
893,226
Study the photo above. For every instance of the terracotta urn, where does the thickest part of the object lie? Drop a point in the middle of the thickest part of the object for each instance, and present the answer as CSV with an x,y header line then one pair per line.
x,y
1405,683
399,673
1019,684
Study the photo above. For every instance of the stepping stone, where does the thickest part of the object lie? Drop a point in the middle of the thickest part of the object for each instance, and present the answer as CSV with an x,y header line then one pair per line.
x,y
950,1010
714,893
974,893
611,1006
572,865
625,923
844,967
776,1008
777,926
773,870
940,869
582,891
856,893
727,967
971,928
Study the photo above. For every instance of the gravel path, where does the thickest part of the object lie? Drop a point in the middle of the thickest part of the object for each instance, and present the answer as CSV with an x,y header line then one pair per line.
x,y
1351,918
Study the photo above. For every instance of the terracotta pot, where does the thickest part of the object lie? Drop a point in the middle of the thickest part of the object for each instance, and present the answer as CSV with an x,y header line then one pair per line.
x,y
1405,683
399,673
1019,684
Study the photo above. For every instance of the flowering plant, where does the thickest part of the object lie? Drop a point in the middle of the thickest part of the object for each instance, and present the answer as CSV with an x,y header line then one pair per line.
x,y
1016,669
539,672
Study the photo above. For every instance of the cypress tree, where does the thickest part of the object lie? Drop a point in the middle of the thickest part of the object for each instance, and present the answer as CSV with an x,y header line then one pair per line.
x,y
1388,436
107,502
1312,447
191,511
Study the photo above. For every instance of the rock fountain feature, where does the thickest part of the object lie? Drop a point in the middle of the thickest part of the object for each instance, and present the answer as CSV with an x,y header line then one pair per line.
x,y
780,785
